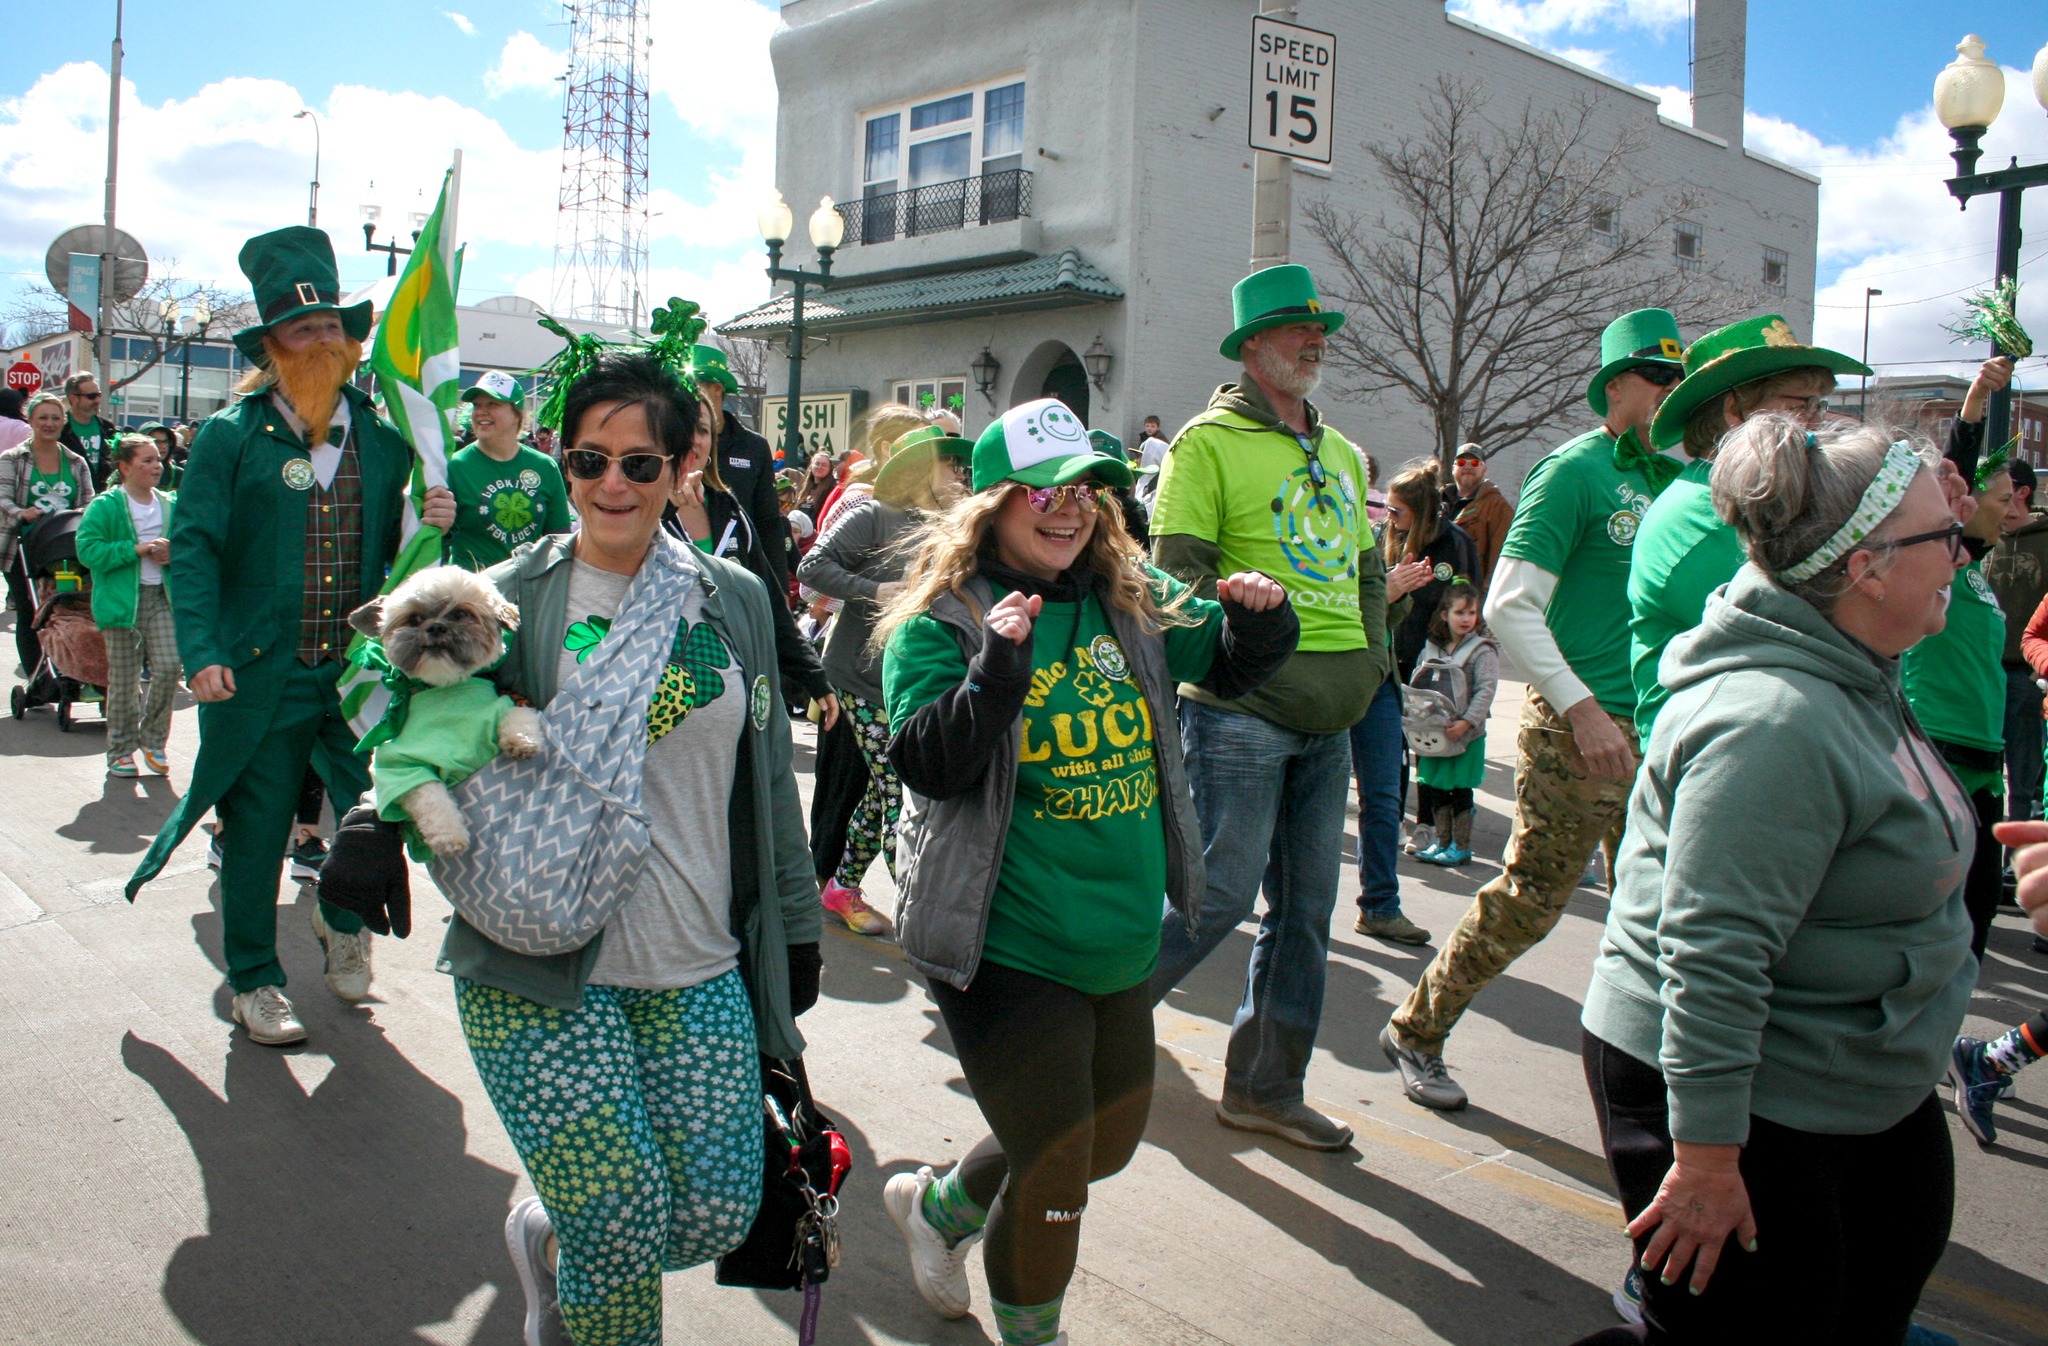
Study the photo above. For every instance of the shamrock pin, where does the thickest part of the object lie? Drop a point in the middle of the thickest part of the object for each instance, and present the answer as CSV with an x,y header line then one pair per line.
x,y
584,635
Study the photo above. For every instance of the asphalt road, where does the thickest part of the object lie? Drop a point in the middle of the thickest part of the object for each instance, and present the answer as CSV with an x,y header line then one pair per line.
x,y
162,1179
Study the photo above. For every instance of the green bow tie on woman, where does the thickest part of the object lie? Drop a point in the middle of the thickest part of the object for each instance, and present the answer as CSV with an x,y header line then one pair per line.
x,y
1631,456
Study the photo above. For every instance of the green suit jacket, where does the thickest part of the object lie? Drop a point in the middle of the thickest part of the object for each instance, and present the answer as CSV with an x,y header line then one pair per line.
x,y
238,560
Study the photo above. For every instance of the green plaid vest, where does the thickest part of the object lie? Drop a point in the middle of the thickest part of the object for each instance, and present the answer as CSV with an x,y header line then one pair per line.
x,y
334,562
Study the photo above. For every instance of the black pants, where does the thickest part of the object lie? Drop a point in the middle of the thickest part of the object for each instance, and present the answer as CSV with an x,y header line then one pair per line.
x,y
1064,1080
22,594
1981,887
839,776
1848,1227
1428,799
311,793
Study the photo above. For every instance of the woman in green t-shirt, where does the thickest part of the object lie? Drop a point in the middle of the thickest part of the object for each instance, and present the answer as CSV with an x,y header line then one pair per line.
x,y
1030,670
37,479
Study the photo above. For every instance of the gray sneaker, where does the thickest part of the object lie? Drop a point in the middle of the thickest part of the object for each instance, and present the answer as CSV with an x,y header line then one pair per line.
x,y
1396,929
1423,1076
1296,1123
526,1236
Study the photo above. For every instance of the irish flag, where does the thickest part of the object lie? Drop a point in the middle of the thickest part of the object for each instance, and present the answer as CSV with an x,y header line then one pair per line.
x,y
416,357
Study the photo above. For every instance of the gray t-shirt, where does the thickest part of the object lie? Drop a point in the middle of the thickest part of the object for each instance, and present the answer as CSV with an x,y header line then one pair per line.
x,y
676,930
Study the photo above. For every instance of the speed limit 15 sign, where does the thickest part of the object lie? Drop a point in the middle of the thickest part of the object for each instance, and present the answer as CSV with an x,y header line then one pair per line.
x,y
1294,74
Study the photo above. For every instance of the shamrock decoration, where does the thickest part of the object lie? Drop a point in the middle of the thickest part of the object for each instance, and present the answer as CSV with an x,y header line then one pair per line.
x,y
925,400
584,635
512,509
956,402
678,317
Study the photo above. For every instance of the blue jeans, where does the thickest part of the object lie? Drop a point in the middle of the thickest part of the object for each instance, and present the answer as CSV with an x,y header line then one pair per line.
x,y
2023,765
1377,747
1271,803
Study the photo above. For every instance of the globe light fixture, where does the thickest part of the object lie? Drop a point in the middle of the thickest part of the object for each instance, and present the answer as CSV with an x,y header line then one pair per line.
x,y
1968,94
775,221
827,226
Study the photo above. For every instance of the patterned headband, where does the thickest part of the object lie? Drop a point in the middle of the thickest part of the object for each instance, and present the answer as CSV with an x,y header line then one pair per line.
x,y
1880,498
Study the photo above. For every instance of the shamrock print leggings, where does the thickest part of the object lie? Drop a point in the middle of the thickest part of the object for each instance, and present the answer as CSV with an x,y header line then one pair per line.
x,y
873,827
638,1117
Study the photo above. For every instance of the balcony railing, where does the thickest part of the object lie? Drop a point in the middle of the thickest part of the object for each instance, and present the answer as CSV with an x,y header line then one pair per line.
x,y
940,207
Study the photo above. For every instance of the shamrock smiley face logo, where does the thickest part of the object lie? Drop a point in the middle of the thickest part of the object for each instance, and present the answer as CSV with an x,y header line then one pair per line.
x,y
1053,426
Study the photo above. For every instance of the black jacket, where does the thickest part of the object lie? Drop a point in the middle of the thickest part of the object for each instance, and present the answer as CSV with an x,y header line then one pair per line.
x,y
101,463
734,539
747,466
1453,555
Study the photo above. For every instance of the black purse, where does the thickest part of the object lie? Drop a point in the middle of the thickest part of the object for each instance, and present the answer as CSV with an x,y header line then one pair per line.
x,y
794,1242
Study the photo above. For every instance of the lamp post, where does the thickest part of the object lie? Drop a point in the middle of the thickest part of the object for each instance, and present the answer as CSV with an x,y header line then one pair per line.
x,y
201,319
313,198
392,250
1863,404
828,231
1968,94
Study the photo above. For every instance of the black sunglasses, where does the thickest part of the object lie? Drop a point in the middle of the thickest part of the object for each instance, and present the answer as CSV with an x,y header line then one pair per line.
x,y
1953,535
1663,376
589,465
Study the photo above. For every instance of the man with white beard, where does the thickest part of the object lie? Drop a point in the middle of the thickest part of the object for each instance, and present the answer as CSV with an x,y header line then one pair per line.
x,y
1258,482
288,518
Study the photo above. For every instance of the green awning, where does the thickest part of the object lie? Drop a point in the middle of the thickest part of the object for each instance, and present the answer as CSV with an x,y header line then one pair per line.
x,y
1059,281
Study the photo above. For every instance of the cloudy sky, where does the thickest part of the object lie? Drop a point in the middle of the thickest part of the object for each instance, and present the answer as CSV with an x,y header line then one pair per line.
x,y
211,152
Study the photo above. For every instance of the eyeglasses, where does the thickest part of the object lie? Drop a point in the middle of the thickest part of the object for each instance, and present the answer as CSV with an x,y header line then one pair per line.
x,y
1953,535
1663,376
1792,404
1048,499
87,397
590,465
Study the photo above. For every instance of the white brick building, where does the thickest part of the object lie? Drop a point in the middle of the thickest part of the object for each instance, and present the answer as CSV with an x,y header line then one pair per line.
x,y
1121,163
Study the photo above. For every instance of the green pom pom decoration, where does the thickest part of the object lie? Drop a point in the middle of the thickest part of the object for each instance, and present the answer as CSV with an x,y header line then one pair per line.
x,y
1993,315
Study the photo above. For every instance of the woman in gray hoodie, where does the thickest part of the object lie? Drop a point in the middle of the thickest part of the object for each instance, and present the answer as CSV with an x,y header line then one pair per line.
x,y
1787,957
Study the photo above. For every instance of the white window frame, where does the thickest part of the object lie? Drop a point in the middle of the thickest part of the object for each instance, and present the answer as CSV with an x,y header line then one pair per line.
x,y
905,137
1784,264
1681,230
906,391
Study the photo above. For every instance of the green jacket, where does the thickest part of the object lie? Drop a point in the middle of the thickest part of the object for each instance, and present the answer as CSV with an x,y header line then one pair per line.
x,y
1787,937
774,893
106,546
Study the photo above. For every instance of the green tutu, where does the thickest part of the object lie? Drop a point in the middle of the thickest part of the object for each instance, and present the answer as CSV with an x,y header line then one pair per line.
x,y
1466,771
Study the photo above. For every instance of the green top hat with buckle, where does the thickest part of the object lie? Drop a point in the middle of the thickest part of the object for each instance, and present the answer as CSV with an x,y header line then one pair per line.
x,y
1731,356
1042,443
1648,336
498,385
292,273
708,363
1274,297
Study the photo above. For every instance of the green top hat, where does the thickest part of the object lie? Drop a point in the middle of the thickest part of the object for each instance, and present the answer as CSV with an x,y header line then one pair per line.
x,y
1274,297
1731,356
1648,336
498,385
708,363
292,273
1042,443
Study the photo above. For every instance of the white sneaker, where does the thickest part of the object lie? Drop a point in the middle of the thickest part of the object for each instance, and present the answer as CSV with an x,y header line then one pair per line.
x,y
269,1017
348,960
940,1271
527,1230
1419,840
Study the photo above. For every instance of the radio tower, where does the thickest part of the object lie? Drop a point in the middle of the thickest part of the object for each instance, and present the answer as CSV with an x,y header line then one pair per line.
x,y
601,225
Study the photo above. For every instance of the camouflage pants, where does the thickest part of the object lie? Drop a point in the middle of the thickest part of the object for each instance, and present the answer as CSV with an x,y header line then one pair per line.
x,y
1562,813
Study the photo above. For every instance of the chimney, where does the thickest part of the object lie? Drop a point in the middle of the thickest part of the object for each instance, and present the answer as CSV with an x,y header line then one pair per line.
x,y
1719,52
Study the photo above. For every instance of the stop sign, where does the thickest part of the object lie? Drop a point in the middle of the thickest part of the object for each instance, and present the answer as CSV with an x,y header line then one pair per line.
x,y
24,377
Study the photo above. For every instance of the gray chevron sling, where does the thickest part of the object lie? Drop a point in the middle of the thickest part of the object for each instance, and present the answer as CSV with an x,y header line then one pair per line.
x,y
558,841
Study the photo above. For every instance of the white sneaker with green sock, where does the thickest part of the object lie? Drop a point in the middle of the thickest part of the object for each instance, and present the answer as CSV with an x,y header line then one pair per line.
x,y
939,1223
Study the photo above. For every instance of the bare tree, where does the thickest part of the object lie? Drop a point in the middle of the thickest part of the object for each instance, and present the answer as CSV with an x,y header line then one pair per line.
x,y
38,312
1481,292
748,360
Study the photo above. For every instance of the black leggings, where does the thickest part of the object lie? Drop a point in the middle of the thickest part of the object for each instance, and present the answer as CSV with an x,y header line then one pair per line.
x,y
1848,1227
311,793
1064,1080
1428,799
1981,886
27,648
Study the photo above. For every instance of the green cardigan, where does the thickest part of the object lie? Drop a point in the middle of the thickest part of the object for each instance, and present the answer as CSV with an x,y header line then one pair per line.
x,y
106,546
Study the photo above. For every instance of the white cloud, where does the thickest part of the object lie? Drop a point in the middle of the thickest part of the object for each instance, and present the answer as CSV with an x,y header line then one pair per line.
x,y
1536,21
525,63
461,21
710,62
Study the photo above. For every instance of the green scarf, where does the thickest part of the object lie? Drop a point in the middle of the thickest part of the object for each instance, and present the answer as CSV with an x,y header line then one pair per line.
x,y
1631,456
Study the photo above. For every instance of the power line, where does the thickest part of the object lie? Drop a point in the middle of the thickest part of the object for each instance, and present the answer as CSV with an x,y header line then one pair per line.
x,y
1946,294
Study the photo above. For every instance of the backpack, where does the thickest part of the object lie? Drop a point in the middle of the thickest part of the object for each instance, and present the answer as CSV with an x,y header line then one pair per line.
x,y
1439,689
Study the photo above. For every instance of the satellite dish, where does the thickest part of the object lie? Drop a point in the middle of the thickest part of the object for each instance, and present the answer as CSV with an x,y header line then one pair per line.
x,y
131,263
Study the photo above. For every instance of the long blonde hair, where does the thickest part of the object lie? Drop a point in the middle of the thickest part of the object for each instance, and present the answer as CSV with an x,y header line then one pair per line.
x,y
946,552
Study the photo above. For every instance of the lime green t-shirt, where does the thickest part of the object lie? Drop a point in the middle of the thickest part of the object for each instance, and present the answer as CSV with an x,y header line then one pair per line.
x,y
1578,518
1084,864
1684,552
499,506
1955,681
1252,492
49,493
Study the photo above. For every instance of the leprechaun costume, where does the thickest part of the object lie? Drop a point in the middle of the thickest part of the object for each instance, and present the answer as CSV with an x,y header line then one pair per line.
x,y
1559,606
274,543
1685,550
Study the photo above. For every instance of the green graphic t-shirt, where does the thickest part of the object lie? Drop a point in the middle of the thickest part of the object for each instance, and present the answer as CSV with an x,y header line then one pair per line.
x,y
1683,553
499,506
49,493
1578,518
1955,681
1084,866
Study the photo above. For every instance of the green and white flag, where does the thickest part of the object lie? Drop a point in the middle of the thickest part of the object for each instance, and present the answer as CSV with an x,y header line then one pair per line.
x,y
417,359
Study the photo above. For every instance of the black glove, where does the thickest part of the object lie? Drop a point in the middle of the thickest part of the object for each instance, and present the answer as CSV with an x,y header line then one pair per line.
x,y
806,966
365,873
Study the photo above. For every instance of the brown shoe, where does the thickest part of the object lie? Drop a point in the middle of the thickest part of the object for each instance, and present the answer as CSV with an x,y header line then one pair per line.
x,y
1396,929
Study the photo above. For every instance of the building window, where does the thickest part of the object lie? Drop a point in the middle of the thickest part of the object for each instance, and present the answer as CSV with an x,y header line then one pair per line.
x,y
938,393
954,138
1604,220
1002,129
879,168
1776,265
1688,242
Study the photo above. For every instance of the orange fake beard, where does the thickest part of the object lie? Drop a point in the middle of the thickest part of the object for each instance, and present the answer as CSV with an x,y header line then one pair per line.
x,y
310,379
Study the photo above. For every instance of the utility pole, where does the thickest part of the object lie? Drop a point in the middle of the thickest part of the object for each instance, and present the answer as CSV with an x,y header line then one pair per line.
x,y
1272,185
1863,403
103,346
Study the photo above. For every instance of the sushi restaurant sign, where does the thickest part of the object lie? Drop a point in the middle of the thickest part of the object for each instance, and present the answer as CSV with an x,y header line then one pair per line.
x,y
824,421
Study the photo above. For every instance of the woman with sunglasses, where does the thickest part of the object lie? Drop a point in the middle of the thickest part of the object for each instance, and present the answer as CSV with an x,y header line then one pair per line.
x,y
1032,660
1787,954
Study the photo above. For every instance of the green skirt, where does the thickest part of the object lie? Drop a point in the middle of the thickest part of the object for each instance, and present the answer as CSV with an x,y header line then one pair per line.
x,y
1466,771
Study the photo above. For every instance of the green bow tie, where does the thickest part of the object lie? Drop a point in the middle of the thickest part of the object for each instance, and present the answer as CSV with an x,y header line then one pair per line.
x,y
401,687
1631,456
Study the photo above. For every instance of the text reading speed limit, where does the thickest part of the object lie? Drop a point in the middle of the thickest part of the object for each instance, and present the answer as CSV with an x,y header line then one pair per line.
x,y
1294,76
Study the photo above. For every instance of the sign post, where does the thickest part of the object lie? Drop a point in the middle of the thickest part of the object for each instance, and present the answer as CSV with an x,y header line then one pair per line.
x,y
1293,93
24,378
83,292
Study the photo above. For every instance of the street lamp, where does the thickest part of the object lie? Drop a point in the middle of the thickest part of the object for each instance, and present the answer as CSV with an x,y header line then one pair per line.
x,y
1863,405
986,368
828,230
1968,95
313,197
201,319
1098,359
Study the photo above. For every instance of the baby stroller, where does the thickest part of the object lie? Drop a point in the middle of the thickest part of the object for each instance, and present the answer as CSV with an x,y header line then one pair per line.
x,y
73,668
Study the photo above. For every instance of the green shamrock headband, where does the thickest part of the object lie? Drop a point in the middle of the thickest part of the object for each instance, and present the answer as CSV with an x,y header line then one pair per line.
x,y
675,327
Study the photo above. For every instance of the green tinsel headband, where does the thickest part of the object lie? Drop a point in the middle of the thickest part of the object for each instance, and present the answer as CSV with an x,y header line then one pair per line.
x,y
676,326
1994,463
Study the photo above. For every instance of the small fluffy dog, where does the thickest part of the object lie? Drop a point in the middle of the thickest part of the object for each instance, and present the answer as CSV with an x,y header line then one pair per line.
x,y
442,628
